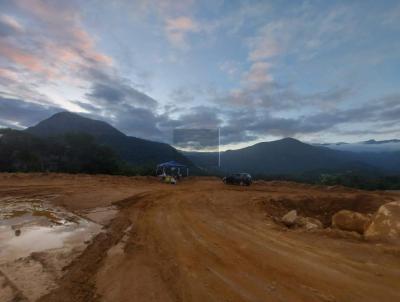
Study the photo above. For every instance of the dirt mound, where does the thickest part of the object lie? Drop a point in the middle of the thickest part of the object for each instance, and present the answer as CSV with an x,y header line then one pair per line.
x,y
323,206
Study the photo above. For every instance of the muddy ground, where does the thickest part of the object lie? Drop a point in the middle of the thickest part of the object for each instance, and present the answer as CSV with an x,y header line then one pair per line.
x,y
199,240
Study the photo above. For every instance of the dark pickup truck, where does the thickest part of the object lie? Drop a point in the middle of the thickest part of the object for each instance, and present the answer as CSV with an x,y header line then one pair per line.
x,y
243,179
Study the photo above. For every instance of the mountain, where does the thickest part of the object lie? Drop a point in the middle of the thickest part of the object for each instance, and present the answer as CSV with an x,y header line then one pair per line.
x,y
375,142
288,156
133,150
372,146
285,156
67,122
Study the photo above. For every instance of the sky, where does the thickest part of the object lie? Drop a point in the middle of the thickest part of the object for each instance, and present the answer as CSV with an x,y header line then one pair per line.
x,y
319,71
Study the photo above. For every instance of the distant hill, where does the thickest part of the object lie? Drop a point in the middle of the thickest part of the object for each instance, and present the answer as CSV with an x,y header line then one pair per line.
x,y
375,142
287,156
290,156
282,157
134,150
371,146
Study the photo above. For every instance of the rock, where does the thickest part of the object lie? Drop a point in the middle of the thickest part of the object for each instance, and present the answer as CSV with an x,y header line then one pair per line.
x,y
350,221
337,233
385,225
289,219
309,223
311,226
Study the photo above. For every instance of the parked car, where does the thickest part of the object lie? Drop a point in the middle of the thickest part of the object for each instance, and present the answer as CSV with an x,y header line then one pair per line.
x,y
243,179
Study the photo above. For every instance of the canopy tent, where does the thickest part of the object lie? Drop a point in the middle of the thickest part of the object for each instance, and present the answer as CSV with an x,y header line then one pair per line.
x,y
172,165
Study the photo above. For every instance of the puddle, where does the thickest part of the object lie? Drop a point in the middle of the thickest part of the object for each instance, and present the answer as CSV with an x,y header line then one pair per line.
x,y
28,226
37,240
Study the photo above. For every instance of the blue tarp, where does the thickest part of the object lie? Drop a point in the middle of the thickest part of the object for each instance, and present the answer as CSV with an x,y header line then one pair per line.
x,y
171,164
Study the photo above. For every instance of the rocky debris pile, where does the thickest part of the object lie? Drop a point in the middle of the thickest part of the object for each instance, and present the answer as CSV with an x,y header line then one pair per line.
x,y
309,223
385,224
350,221
381,224
292,219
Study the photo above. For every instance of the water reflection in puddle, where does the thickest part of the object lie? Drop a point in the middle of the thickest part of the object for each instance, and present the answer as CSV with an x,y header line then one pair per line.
x,y
28,226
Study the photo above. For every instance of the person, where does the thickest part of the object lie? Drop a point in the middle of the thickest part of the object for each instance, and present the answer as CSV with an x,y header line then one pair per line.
x,y
162,175
173,180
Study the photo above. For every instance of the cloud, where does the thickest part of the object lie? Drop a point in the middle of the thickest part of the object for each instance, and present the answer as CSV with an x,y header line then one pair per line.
x,y
183,95
263,47
267,43
181,24
249,123
196,139
265,106
57,51
16,113
258,75
56,13
302,36
54,47
229,67
116,93
25,60
237,125
178,29
139,122
9,26
265,94
7,75
194,117
65,55
163,9
48,56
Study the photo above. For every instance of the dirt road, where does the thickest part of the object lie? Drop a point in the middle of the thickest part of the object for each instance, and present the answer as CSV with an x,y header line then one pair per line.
x,y
203,241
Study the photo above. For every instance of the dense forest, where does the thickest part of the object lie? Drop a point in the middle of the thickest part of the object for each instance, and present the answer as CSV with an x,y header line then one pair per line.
x,y
70,153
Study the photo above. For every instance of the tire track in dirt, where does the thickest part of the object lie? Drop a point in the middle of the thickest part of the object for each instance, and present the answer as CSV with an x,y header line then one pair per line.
x,y
208,242
78,283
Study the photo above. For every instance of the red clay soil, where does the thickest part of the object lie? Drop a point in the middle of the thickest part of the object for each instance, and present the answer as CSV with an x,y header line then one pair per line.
x,y
204,241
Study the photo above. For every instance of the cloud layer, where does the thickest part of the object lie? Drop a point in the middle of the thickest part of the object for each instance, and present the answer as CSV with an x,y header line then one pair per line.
x,y
256,71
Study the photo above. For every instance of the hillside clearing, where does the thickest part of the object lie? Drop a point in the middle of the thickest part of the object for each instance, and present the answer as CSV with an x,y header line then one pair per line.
x,y
203,241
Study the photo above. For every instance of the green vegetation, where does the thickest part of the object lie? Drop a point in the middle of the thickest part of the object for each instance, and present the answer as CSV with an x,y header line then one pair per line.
x,y
70,153
82,153
366,182
353,179
140,154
